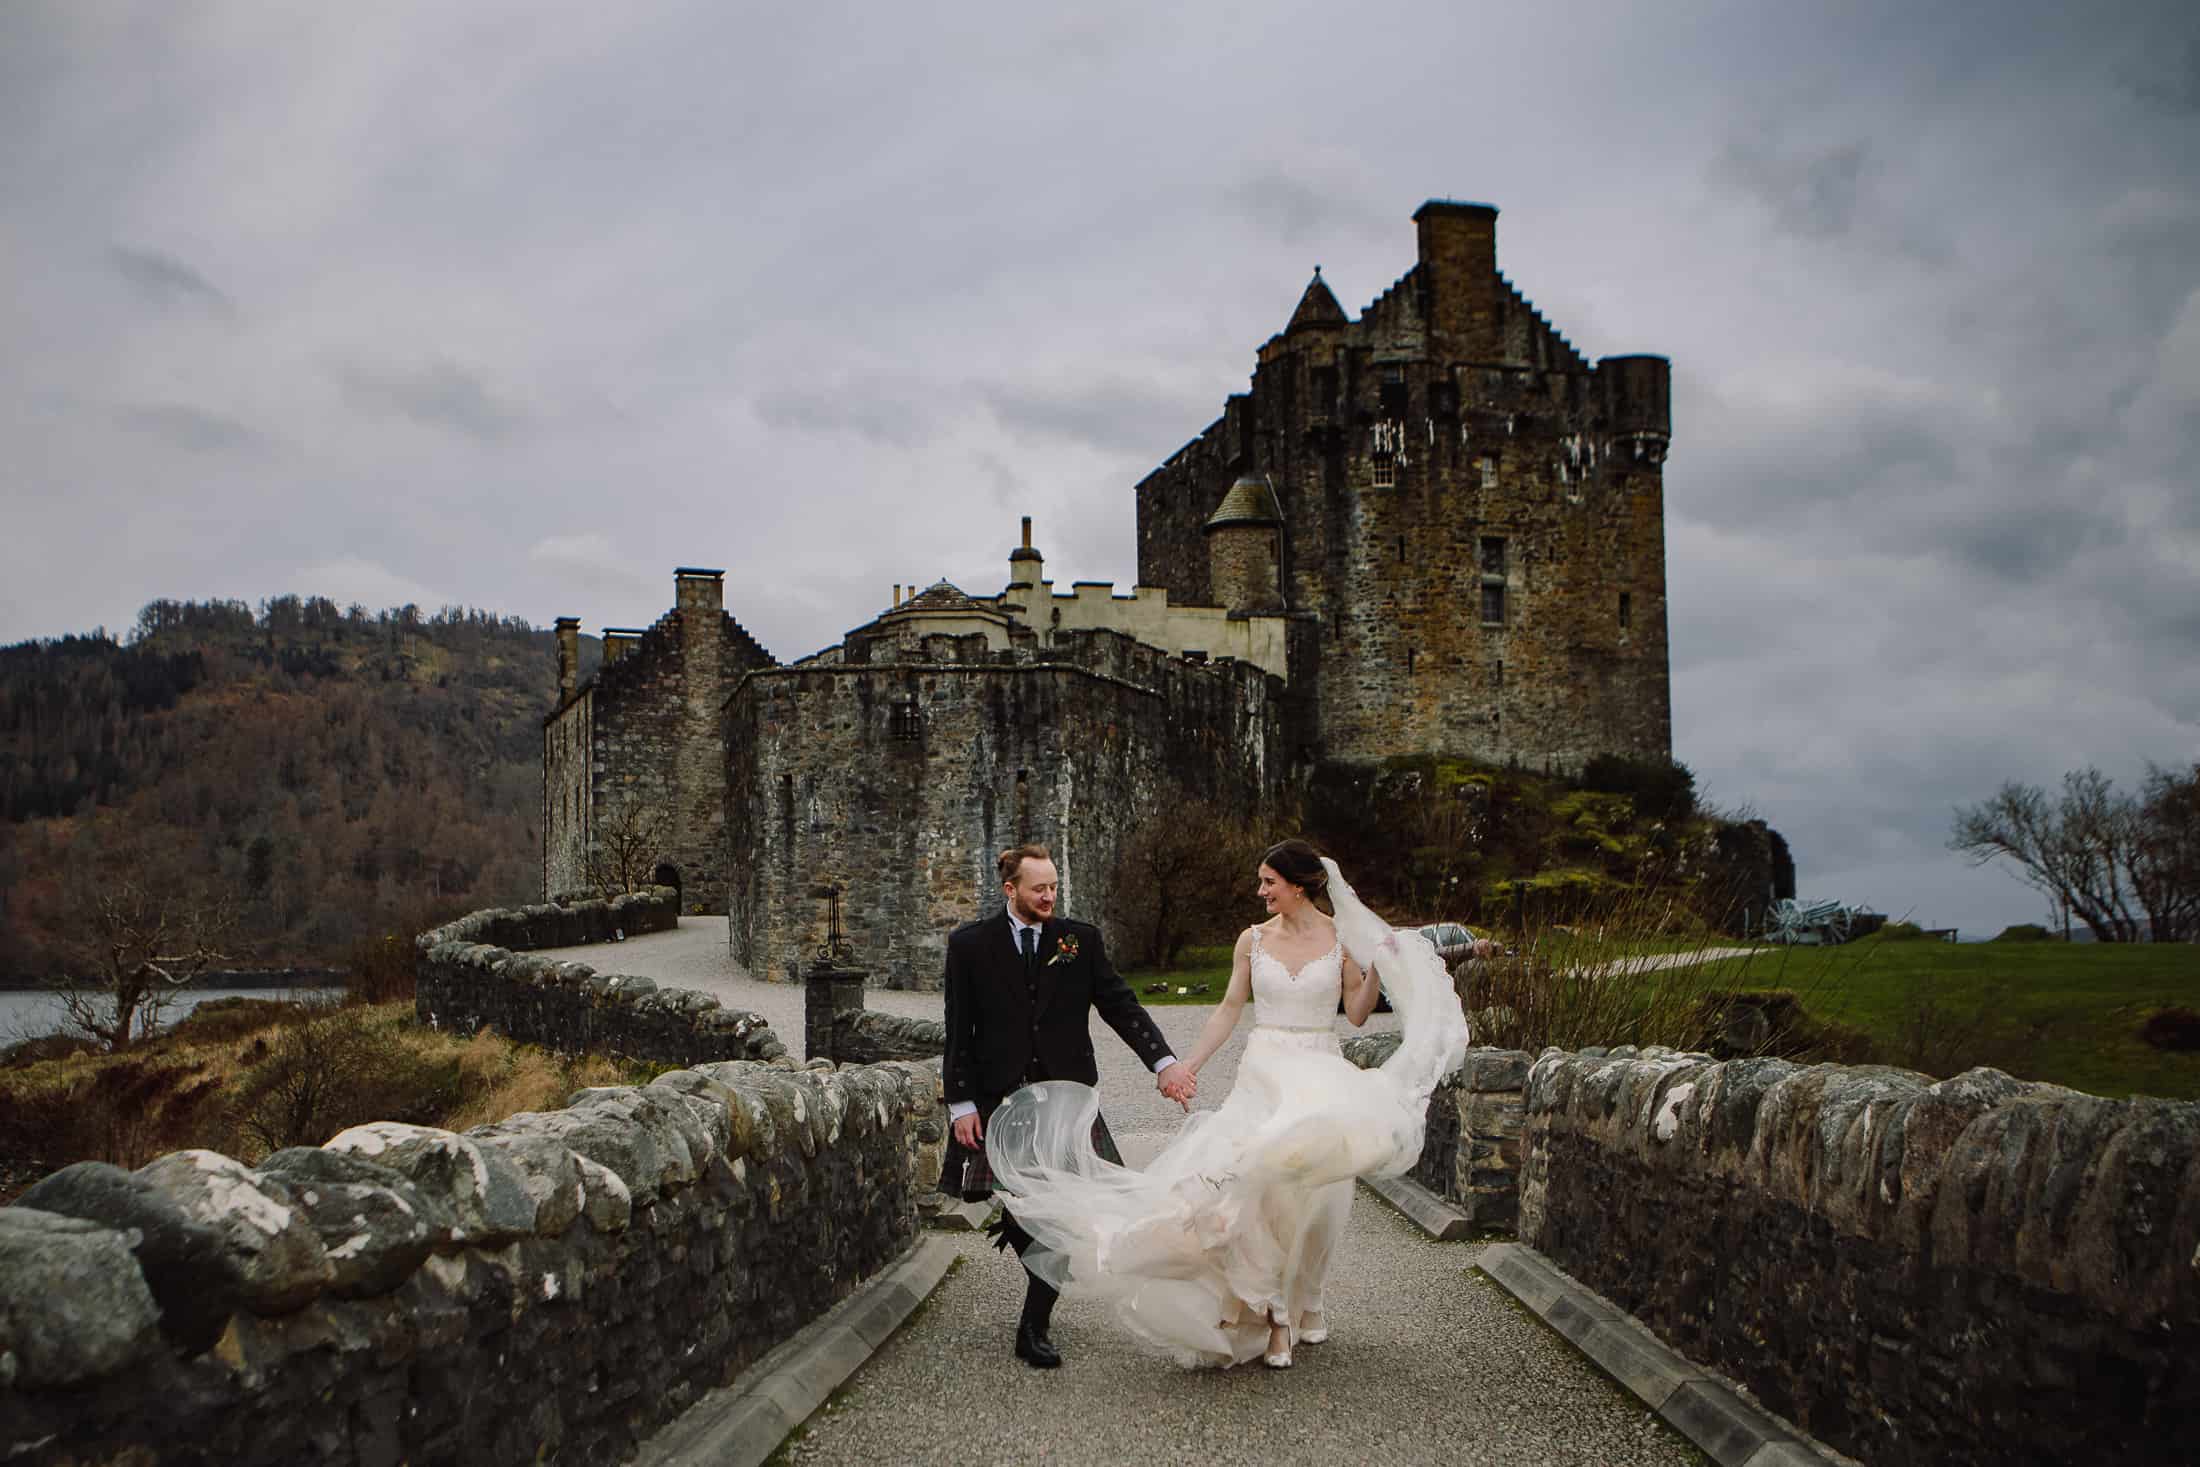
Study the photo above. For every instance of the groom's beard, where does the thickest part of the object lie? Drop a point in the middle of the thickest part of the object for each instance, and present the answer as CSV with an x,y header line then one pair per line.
x,y
1028,915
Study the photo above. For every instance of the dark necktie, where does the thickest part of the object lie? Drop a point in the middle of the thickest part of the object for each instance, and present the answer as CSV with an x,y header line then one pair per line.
x,y
1031,955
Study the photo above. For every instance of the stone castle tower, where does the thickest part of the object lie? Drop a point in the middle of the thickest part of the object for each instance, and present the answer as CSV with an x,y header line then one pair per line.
x,y
1461,516
641,743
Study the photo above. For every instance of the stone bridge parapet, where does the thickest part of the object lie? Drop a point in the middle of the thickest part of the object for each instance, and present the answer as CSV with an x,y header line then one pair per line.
x,y
1978,1270
555,1285
475,973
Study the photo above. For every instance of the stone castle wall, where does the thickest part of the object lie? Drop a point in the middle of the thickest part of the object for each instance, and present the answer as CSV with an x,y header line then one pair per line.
x,y
1975,1271
1073,747
555,1286
1487,427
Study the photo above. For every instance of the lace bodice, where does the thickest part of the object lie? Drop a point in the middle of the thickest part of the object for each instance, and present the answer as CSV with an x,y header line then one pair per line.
x,y
1306,999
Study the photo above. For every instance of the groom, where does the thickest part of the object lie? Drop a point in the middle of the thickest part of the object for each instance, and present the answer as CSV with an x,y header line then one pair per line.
x,y
1021,986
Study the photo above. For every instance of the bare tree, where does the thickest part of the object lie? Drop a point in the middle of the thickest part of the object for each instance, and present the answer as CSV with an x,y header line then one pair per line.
x,y
622,850
2083,849
138,941
1169,880
2166,863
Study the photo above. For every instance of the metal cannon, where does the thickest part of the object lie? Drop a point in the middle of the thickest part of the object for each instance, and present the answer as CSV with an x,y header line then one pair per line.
x,y
1809,923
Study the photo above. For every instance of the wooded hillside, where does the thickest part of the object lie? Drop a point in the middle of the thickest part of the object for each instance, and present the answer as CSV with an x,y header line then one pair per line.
x,y
335,773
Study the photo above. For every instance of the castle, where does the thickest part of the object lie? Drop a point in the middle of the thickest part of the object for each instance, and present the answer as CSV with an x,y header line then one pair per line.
x,y
1435,529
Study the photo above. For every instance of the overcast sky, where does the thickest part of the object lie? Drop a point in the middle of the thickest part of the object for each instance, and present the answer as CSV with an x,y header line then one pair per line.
x,y
520,306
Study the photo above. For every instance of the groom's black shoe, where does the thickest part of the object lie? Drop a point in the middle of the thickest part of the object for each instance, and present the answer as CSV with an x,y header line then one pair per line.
x,y
1033,1347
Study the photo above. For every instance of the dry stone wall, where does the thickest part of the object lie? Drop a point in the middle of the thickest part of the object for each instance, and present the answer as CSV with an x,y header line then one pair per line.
x,y
475,973
552,1287
1977,1270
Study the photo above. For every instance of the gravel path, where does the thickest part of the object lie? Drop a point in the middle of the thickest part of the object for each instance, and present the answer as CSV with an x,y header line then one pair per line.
x,y
1428,1363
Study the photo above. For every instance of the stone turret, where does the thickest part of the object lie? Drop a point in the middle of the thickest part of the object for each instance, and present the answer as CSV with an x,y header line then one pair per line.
x,y
1243,552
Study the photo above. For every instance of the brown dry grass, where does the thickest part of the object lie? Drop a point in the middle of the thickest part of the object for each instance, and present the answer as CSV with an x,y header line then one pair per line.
x,y
249,1080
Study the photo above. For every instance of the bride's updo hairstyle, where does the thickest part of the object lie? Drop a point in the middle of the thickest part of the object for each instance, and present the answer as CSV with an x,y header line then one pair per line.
x,y
1298,863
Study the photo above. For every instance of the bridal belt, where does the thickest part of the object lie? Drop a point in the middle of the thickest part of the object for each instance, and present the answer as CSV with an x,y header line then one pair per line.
x,y
1297,1028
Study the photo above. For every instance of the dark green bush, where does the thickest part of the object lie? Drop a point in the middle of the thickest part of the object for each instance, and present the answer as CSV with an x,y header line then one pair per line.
x,y
2027,932
1662,789
2175,1028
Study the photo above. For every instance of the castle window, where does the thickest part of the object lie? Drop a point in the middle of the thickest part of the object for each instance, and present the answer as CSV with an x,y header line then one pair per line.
x,y
905,723
1401,549
1493,555
1394,392
1497,673
1411,655
1489,473
1493,604
1626,609
1386,468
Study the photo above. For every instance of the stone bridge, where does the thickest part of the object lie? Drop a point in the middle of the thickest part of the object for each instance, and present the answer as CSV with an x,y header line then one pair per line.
x,y
1604,1258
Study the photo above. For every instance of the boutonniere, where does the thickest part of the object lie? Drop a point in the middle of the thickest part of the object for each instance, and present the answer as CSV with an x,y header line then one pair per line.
x,y
1065,949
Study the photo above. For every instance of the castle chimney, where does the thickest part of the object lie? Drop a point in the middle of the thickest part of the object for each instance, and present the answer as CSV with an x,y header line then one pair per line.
x,y
569,658
897,595
618,642
1459,284
697,589
1026,567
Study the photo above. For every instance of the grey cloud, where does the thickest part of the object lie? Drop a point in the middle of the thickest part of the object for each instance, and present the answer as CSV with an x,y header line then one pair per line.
x,y
1295,209
191,428
2171,80
441,395
168,281
876,409
1109,414
1811,194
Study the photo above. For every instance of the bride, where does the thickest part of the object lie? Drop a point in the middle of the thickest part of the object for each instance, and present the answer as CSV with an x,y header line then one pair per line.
x,y
1218,1250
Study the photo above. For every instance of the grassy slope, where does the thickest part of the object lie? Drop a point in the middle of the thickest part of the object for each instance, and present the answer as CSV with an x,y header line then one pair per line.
x,y
2060,1012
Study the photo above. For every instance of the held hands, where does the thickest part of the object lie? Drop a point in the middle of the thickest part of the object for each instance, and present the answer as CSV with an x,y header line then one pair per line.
x,y
1178,1083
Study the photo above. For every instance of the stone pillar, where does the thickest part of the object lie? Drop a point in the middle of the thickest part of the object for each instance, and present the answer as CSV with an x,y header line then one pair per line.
x,y
828,992
1492,1100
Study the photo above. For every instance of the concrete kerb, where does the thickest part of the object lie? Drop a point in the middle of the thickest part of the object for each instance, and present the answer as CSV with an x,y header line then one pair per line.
x,y
1423,1208
1733,1430
742,1423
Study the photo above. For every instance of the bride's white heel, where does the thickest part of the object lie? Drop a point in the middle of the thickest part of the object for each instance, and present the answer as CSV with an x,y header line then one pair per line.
x,y
1313,1327
1278,1358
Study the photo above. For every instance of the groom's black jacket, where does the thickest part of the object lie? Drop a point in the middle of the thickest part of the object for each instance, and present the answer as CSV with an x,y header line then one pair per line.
x,y
1002,1032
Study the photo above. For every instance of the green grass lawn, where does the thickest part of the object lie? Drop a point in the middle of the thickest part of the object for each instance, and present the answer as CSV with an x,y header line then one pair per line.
x,y
1195,966
2068,1013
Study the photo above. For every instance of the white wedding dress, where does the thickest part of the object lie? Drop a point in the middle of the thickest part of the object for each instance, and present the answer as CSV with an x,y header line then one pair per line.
x,y
1235,1220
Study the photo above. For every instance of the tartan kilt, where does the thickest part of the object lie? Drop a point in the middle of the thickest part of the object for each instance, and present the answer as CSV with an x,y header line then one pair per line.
x,y
968,1174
